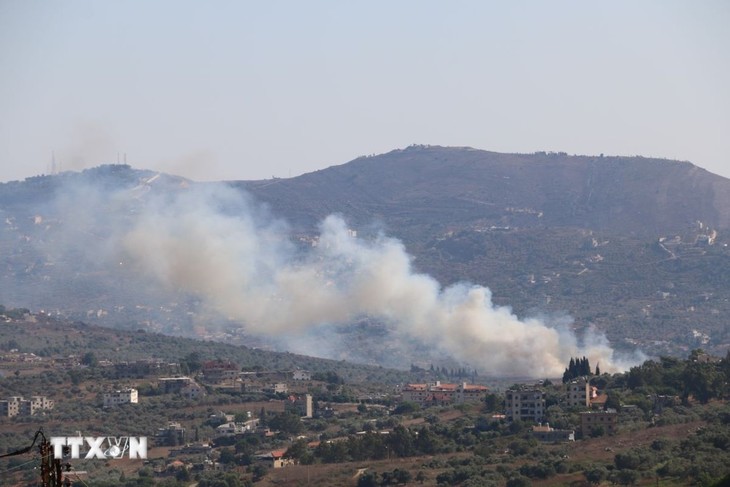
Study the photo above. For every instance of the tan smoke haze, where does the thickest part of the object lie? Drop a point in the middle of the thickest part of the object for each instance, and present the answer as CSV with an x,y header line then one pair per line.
x,y
213,244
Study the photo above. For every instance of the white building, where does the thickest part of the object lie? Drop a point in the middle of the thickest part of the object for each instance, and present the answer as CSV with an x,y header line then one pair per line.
x,y
301,375
125,396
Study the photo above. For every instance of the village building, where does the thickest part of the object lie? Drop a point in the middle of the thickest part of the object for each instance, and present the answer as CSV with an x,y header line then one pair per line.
x,y
593,423
547,434
438,394
301,375
192,390
527,404
185,386
124,396
19,406
144,368
579,393
171,435
220,372
275,459
277,388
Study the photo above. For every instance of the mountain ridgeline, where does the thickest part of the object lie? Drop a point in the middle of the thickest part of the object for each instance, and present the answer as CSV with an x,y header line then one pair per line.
x,y
632,247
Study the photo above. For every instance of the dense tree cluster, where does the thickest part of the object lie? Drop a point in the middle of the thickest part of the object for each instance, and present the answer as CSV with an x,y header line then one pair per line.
x,y
578,367
699,377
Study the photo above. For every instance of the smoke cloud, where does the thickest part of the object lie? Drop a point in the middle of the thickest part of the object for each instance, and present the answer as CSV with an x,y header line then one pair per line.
x,y
214,243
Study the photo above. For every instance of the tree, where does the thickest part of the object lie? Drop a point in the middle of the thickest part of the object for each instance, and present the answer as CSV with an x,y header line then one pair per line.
x,y
596,475
492,402
227,456
191,363
368,479
89,359
704,381
286,423
259,471
406,407
297,450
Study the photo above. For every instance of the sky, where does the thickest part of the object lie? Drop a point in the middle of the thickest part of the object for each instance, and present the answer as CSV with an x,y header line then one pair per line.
x,y
236,90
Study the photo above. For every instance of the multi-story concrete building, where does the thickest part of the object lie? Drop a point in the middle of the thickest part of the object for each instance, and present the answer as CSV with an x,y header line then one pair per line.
x,y
172,435
220,372
598,422
301,375
438,394
125,396
525,405
578,393
18,406
172,385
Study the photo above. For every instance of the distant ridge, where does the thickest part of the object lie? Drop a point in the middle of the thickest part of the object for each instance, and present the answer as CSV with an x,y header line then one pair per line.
x,y
635,247
637,195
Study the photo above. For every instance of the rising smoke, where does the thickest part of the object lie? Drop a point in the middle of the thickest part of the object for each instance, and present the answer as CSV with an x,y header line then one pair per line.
x,y
215,244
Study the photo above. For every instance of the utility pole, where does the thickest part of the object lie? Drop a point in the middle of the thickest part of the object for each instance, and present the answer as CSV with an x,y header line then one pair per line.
x,y
51,475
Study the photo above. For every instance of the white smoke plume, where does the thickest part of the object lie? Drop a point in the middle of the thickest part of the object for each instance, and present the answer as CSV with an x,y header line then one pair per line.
x,y
211,243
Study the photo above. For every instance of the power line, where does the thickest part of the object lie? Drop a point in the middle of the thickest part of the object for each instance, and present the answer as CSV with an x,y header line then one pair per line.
x,y
18,466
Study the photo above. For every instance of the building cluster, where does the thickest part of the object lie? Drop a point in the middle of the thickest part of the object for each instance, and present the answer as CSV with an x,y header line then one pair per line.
x,y
438,394
529,404
18,406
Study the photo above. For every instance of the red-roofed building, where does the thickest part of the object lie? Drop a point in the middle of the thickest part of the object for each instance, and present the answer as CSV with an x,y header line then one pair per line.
x,y
438,394
275,459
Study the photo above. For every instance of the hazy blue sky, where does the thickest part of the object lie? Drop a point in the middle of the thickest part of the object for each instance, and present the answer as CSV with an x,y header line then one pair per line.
x,y
248,90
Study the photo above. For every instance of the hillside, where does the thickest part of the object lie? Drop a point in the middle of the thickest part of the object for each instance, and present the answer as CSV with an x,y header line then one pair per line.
x,y
450,186
634,247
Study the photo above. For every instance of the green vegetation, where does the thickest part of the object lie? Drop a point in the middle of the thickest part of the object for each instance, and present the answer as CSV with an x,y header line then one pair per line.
x,y
674,424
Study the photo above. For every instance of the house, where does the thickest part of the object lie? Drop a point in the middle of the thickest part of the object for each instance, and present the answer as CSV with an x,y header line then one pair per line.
x,y
145,367
525,404
593,423
125,396
184,386
547,434
301,375
579,393
18,406
278,388
194,449
232,428
300,405
170,385
192,390
171,435
438,394
470,393
228,429
275,459
220,372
